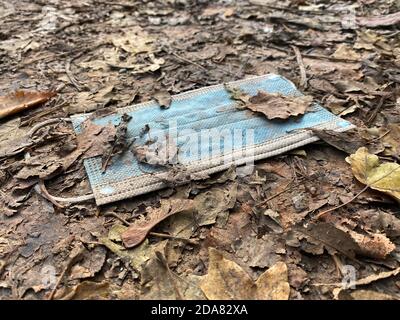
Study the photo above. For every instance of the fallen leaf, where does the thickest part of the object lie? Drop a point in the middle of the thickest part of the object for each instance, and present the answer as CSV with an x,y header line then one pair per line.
x,y
237,94
390,139
163,152
226,280
375,277
22,100
379,21
92,262
136,257
160,283
376,245
182,226
277,106
350,141
133,41
344,51
330,236
367,280
368,170
120,143
369,295
13,138
163,98
87,290
370,40
93,141
138,231
214,204
258,252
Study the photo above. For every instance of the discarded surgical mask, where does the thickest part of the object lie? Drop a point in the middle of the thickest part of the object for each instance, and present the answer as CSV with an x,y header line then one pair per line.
x,y
202,132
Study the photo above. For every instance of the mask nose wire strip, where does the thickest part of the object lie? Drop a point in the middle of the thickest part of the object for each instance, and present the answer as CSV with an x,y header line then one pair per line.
x,y
40,187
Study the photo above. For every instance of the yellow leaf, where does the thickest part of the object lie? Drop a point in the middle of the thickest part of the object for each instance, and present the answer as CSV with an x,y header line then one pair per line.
x,y
383,177
226,280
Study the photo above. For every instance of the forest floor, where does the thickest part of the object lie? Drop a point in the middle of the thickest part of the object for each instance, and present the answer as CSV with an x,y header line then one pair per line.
x,y
277,229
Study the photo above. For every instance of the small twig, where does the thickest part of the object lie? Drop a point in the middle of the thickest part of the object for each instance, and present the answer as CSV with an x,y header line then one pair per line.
x,y
316,56
188,61
277,194
118,217
303,74
167,236
377,108
319,215
71,77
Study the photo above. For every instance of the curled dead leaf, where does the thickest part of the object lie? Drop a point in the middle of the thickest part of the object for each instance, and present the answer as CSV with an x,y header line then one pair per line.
x,y
21,100
138,231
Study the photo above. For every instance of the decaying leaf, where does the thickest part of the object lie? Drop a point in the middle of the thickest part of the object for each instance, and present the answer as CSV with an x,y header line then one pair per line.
x,y
387,20
163,98
259,253
331,237
226,280
93,141
278,106
390,138
160,283
367,280
138,231
22,100
120,143
368,170
162,153
136,257
365,295
376,245
214,204
350,141
91,263
13,138
349,242
87,290
182,226
237,94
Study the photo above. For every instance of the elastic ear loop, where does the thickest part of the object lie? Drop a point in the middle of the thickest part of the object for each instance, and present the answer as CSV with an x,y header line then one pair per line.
x,y
40,187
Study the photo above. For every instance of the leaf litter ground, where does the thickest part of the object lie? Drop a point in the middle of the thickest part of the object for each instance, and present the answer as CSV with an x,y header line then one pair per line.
x,y
297,223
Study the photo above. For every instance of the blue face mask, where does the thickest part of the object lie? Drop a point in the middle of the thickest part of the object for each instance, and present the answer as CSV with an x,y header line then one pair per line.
x,y
207,132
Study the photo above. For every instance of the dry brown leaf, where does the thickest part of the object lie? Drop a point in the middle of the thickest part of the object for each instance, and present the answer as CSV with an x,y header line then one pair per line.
x,y
350,141
390,138
330,236
159,282
138,231
376,246
379,21
344,51
226,280
214,204
383,177
364,281
163,98
21,100
94,140
277,106
87,290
